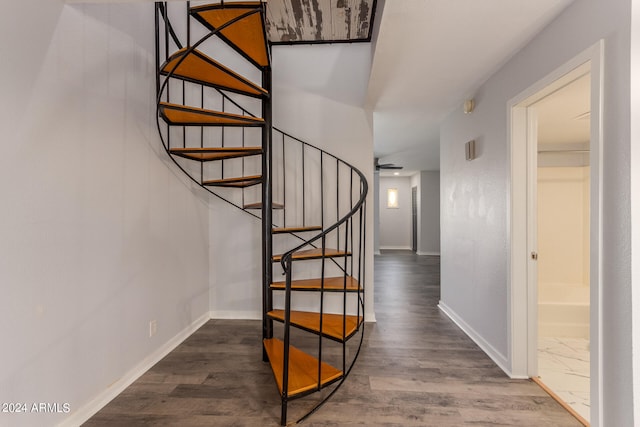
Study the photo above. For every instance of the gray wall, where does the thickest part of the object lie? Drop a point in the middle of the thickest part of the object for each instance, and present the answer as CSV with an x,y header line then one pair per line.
x,y
376,213
475,211
428,183
395,226
100,235
395,223
634,160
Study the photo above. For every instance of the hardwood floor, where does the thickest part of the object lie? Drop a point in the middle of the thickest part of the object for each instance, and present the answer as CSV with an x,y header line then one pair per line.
x,y
416,368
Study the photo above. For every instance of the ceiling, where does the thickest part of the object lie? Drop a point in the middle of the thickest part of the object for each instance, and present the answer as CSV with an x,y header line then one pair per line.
x,y
312,21
563,116
430,55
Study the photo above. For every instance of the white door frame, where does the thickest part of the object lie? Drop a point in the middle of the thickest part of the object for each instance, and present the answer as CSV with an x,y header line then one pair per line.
x,y
522,301
532,228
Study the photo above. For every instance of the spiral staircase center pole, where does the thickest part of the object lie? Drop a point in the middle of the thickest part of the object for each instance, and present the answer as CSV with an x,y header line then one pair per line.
x,y
267,216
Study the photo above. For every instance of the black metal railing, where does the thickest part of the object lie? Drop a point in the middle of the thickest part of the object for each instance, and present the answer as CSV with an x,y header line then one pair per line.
x,y
346,218
185,92
313,187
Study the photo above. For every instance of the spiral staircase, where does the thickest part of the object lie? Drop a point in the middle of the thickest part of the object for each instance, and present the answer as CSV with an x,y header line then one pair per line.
x,y
215,123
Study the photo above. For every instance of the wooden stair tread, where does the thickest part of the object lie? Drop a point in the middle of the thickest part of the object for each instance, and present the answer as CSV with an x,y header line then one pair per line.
x,y
303,368
300,229
331,284
314,254
258,205
175,114
247,36
332,324
238,182
215,153
199,68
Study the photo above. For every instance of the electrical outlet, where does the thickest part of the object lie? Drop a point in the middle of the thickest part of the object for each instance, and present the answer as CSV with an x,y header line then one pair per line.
x,y
153,328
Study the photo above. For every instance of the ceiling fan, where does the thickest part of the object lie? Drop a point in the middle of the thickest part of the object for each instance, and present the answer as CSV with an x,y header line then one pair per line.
x,y
384,165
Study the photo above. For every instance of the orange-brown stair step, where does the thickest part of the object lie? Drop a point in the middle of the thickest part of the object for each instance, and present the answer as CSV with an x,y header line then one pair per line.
x,y
176,114
237,182
215,153
332,324
331,284
198,68
314,254
258,205
247,36
303,369
300,229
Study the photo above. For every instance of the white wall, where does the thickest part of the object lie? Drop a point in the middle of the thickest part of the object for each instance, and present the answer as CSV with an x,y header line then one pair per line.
x,y
416,181
475,243
635,199
395,223
395,227
311,102
235,263
99,234
429,214
338,128
376,213
564,251
563,226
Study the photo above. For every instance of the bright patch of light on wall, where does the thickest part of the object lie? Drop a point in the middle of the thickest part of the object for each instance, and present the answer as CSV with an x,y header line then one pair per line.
x,y
392,197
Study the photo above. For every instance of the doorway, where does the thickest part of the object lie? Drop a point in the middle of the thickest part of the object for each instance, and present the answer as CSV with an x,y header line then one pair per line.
x,y
578,164
559,213
414,219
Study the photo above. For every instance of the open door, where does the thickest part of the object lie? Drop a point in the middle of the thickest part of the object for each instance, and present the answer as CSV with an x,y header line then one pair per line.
x,y
543,171
559,211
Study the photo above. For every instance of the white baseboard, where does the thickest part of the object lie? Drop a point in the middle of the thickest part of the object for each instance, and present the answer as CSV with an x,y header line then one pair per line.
x,y
428,253
490,350
82,414
396,248
235,315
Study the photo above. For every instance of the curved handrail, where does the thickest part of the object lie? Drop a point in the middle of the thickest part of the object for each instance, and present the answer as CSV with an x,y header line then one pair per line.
x,y
344,378
357,208
363,195
198,43
162,88
286,259
310,242
164,84
165,16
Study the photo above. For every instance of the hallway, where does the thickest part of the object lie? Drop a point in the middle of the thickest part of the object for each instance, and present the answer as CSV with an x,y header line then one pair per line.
x,y
416,368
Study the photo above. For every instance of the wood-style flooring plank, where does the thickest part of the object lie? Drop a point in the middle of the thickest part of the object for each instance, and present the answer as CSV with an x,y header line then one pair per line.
x,y
416,368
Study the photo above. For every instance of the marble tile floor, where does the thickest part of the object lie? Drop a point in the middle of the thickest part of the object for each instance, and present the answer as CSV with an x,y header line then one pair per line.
x,y
416,368
563,366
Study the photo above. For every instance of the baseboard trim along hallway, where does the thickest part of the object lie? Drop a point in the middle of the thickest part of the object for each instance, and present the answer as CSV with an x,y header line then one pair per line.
x,y
416,368
88,410
490,350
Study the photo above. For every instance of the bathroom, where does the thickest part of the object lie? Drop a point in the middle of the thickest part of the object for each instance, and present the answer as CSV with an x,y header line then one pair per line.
x,y
563,223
